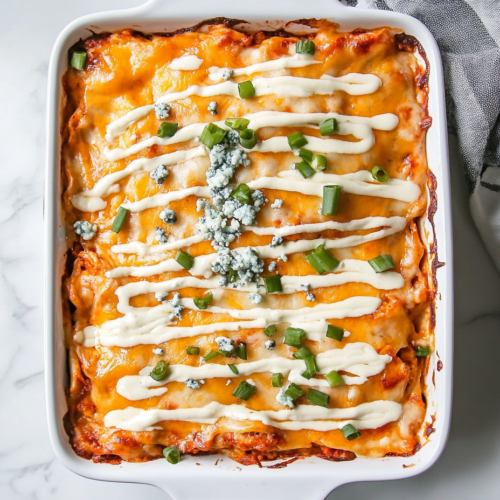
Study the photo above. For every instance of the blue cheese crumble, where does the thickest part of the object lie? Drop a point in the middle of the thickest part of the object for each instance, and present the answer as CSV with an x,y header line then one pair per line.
x,y
277,203
283,257
168,216
227,73
212,107
161,235
192,384
310,297
258,198
229,382
255,298
277,240
159,174
271,267
160,297
158,351
161,110
270,344
284,399
177,308
246,264
85,229
225,344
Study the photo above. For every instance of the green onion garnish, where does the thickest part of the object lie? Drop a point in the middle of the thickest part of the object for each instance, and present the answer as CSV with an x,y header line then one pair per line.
x,y
184,259
422,351
246,89
78,59
237,123
160,371
305,47
167,129
294,336
202,302
212,135
296,140
211,355
303,353
172,454
331,196
243,194
241,351
319,163
382,263
307,155
226,354
119,219
233,276
305,169
334,378
273,283
234,369
350,432
318,398
192,350
308,357
322,260
329,127
277,380
245,390
294,391
380,174
270,331
248,138
335,333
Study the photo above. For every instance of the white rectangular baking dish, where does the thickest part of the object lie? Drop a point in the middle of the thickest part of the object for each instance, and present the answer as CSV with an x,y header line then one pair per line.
x,y
312,478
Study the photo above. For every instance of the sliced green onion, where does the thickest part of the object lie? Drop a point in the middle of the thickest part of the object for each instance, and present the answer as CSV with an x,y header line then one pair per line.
x,y
241,351
331,196
318,398
335,333
246,89
192,350
211,355
226,354
237,123
202,302
277,379
303,353
422,351
172,454
119,219
184,259
78,59
294,391
334,378
380,174
322,260
294,336
233,276
273,283
234,369
350,432
308,357
270,331
305,47
248,138
319,163
243,194
212,135
296,140
245,390
382,263
167,129
305,169
307,155
329,127
160,371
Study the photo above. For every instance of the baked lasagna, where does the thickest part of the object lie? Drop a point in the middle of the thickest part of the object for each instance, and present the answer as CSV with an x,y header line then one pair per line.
x,y
247,267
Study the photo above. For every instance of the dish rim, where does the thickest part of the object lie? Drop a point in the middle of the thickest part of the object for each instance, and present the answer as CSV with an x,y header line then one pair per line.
x,y
281,483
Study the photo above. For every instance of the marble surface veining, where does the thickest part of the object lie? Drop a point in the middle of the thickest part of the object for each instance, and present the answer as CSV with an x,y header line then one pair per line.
x,y
28,470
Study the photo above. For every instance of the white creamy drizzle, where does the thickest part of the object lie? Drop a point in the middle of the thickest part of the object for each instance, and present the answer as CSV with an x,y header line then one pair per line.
x,y
364,416
286,86
143,249
295,61
151,325
359,358
359,126
187,62
89,200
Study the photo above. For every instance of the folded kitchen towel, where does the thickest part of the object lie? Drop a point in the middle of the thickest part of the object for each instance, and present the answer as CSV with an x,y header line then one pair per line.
x,y
468,35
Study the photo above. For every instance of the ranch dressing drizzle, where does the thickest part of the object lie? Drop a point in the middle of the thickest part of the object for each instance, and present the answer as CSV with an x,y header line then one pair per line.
x,y
187,62
286,86
359,358
359,126
364,416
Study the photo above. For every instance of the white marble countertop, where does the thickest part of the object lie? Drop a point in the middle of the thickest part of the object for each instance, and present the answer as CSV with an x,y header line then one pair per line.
x,y
28,470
